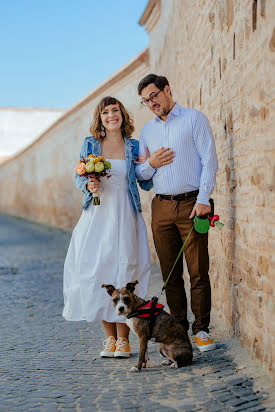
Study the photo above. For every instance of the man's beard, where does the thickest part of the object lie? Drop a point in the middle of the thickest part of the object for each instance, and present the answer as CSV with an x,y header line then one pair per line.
x,y
165,112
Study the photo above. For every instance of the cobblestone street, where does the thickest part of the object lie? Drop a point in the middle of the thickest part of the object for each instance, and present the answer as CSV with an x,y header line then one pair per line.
x,y
48,364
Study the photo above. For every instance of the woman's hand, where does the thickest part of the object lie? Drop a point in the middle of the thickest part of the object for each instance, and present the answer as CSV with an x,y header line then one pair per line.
x,y
93,185
142,158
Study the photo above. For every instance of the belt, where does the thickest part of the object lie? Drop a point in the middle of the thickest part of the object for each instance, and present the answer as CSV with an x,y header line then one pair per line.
x,y
182,196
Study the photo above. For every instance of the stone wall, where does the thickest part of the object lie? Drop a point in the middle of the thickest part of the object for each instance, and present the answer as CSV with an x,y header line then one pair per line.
x,y
219,57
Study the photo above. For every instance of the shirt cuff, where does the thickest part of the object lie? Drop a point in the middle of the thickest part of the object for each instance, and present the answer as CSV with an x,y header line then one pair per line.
x,y
148,170
203,198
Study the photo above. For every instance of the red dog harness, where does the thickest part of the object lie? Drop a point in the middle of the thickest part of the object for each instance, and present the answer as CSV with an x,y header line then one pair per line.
x,y
149,311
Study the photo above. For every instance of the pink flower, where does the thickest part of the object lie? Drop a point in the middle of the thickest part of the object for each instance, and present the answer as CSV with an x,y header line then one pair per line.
x,y
80,169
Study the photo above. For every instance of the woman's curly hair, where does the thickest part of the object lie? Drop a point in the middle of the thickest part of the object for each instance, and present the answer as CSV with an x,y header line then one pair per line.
x,y
127,126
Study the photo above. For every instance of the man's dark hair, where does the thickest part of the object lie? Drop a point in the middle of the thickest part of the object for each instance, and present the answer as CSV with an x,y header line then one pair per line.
x,y
159,81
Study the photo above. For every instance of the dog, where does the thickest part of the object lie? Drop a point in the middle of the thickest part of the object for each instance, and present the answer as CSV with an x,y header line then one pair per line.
x,y
165,329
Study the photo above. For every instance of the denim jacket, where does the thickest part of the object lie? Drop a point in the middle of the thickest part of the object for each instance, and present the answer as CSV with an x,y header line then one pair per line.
x,y
93,146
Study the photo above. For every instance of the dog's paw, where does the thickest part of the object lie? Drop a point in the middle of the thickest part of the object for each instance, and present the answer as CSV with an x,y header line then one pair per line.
x,y
134,369
144,365
174,365
166,362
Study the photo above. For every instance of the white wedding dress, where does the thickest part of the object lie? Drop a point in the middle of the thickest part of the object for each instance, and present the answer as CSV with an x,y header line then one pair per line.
x,y
108,245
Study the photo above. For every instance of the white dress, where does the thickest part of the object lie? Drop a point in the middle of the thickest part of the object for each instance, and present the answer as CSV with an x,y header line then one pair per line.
x,y
108,245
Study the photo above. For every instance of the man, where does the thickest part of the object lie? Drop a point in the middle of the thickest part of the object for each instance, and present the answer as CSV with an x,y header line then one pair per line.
x,y
181,159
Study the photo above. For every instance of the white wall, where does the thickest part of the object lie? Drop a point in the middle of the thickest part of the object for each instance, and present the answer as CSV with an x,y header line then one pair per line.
x,y
20,126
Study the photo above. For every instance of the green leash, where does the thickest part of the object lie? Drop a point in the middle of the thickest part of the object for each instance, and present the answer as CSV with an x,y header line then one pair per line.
x,y
180,252
202,225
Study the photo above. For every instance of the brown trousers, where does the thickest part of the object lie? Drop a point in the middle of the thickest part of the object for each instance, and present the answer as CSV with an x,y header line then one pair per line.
x,y
170,227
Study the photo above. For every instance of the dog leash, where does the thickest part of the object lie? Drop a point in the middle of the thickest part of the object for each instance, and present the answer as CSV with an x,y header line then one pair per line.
x,y
152,308
202,225
180,252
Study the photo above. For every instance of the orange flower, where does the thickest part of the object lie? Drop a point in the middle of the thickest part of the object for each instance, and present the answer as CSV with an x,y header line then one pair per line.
x,y
91,155
80,169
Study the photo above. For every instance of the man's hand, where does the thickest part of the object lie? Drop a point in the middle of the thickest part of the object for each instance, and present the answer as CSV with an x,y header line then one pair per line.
x,y
93,185
161,157
200,210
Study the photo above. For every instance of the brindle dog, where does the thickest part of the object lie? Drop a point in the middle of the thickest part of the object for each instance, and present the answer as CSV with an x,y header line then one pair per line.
x,y
173,339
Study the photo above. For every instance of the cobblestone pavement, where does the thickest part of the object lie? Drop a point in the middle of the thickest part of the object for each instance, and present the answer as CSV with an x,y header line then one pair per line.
x,y
48,364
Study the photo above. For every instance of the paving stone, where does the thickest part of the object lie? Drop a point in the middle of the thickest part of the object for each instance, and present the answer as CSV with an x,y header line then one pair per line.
x,y
248,405
235,402
48,364
52,408
212,406
224,397
249,398
218,387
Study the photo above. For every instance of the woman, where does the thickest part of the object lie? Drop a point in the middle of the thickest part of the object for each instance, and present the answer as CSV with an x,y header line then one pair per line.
x,y
109,243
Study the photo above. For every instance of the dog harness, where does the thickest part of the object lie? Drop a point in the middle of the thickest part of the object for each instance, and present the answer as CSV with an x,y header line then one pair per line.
x,y
149,311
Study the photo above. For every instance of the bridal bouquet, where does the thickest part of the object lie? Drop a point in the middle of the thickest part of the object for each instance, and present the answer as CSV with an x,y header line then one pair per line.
x,y
93,166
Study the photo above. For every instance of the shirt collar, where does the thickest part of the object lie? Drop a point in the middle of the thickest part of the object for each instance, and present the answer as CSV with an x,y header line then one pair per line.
x,y
175,112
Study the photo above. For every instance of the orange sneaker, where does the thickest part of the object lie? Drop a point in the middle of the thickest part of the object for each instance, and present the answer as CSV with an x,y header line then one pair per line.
x,y
123,349
204,342
109,348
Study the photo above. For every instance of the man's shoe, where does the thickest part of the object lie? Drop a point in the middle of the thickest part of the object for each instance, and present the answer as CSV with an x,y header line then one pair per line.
x,y
109,348
204,342
123,349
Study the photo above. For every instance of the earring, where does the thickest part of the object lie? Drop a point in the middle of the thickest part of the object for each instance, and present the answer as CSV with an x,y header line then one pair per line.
x,y
102,133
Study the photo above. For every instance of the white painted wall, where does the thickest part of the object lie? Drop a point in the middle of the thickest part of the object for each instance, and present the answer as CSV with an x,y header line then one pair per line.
x,y
20,126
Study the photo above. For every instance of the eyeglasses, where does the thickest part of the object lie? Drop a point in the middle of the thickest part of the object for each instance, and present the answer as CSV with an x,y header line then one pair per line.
x,y
153,98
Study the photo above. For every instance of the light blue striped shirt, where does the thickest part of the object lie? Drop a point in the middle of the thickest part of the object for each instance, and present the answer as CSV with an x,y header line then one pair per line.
x,y
188,133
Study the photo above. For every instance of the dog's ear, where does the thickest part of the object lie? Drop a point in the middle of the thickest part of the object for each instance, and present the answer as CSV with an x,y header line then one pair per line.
x,y
110,289
131,286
